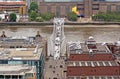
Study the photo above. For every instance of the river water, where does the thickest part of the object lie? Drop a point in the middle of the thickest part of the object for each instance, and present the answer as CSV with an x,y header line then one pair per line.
x,y
100,34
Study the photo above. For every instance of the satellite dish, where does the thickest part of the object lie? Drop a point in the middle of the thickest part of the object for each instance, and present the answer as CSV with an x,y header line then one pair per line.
x,y
91,37
91,52
103,43
5,12
118,43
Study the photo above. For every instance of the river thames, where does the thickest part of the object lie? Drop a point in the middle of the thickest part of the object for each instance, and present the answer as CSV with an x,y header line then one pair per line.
x,y
100,34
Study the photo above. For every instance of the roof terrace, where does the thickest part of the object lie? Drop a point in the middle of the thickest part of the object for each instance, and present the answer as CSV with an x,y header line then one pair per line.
x,y
21,41
6,69
20,53
89,46
73,48
92,63
94,77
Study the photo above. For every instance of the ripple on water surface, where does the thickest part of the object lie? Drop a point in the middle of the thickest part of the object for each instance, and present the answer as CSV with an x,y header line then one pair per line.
x,y
103,34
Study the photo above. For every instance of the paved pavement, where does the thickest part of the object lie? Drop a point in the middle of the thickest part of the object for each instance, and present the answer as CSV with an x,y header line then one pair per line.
x,y
55,69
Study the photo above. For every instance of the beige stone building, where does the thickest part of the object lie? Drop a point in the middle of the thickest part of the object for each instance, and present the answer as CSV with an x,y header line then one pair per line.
x,y
17,72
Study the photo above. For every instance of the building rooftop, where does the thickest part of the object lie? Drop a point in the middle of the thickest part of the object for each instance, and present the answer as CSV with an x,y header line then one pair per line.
x,y
93,70
94,77
6,69
21,48
79,48
94,57
92,63
20,53
13,2
21,41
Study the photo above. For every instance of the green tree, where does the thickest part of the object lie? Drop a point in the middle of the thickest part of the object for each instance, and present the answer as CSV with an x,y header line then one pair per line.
x,y
33,15
13,17
33,7
71,16
108,16
47,16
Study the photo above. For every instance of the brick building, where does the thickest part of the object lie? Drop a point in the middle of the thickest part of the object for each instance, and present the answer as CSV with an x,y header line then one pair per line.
x,y
115,49
17,6
85,7
91,60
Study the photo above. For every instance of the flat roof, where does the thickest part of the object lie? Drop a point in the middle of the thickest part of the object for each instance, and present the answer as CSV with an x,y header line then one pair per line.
x,y
6,69
93,70
22,42
94,77
20,53
88,57
13,3
75,48
92,63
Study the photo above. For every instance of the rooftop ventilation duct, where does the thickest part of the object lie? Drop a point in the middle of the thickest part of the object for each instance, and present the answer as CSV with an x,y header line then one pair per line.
x,y
36,49
91,52
117,43
90,37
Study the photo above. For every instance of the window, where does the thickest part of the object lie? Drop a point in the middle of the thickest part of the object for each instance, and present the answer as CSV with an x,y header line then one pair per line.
x,y
58,11
118,8
3,62
101,63
95,4
24,62
83,63
99,0
7,77
102,0
80,8
49,9
95,63
89,64
14,77
20,77
112,0
67,9
15,62
1,77
95,0
109,8
95,8
63,0
17,46
29,75
12,47
80,4
20,46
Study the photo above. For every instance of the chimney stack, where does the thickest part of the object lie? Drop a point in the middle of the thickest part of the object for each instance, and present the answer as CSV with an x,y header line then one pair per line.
x,y
3,34
38,34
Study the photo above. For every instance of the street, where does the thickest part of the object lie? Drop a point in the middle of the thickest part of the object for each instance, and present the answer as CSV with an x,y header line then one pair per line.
x,y
55,69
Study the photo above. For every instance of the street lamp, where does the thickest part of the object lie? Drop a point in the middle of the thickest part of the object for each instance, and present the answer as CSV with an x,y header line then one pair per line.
x,y
64,74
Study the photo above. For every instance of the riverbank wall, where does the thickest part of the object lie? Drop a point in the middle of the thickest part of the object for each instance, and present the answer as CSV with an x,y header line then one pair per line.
x,y
67,24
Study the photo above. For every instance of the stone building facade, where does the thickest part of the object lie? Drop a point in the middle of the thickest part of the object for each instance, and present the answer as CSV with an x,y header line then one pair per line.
x,y
85,7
